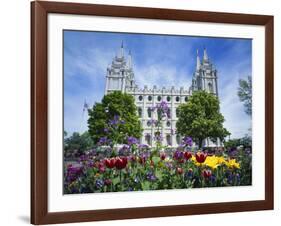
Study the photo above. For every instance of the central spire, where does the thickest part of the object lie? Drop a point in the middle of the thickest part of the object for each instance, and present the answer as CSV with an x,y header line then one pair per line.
x,y
121,51
129,62
205,57
198,63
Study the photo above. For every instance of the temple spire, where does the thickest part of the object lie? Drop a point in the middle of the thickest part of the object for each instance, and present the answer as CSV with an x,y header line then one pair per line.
x,y
205,57
121,51
129,62
198,63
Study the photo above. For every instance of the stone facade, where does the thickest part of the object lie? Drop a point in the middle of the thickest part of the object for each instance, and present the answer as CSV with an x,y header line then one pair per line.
x,y
120,76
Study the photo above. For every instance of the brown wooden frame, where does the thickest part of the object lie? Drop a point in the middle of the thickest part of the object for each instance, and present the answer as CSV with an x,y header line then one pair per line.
x,y
39,115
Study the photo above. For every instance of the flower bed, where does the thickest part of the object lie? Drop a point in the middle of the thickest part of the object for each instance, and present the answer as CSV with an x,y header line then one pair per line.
x,y
138,168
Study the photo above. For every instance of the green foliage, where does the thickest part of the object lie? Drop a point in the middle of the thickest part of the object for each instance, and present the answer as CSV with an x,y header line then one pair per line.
x,y
233,143
245,94
112,105
77,142
200,118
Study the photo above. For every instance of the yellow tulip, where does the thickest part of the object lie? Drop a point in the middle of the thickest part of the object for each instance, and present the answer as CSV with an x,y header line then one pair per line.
x,y
231,163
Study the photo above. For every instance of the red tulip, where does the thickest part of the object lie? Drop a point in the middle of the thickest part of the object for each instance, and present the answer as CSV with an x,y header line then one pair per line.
x,y
162,156
121,162
187,155
179,170
110,163
207,173
200,157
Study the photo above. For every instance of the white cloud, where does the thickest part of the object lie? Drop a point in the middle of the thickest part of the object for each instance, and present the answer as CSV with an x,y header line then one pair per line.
x,y
93,62
162,75
236,120
166,71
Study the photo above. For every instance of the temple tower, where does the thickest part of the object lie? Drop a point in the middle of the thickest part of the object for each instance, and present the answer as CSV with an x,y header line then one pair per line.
x,y
120,74
205,75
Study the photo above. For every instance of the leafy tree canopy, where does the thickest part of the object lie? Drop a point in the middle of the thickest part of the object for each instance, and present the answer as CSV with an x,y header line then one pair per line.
x,y
233,143
114,118
245,94
77,142
200,118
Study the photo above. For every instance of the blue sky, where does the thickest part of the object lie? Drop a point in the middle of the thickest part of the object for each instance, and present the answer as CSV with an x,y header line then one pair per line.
x,y
157,60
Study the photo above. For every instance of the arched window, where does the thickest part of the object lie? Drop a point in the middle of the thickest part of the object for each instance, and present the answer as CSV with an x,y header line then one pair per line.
x,y
186,99
159,98
149,112
168,124
168,139
140,112
150,98
148,139
177,112
159,113
178,138
148,123
210,86
140,98
177,99
169,113
168,98
158,137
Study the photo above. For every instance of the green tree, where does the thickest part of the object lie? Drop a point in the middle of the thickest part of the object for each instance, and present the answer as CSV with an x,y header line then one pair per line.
x,y
246,141
200,118
77,142
245,94
115,118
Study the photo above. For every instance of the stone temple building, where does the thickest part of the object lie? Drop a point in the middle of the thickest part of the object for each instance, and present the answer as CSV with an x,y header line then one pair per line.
x,y
120,76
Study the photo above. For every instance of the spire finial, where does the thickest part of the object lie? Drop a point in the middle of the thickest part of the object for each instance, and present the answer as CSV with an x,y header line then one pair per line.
x,y
197,60
205,57
129,62
121,51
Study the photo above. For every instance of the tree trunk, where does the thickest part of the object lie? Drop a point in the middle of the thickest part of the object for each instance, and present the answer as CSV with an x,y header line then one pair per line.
x,y
200,143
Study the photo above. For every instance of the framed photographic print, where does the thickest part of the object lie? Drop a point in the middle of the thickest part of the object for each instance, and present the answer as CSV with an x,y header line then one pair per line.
x,y
147,112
